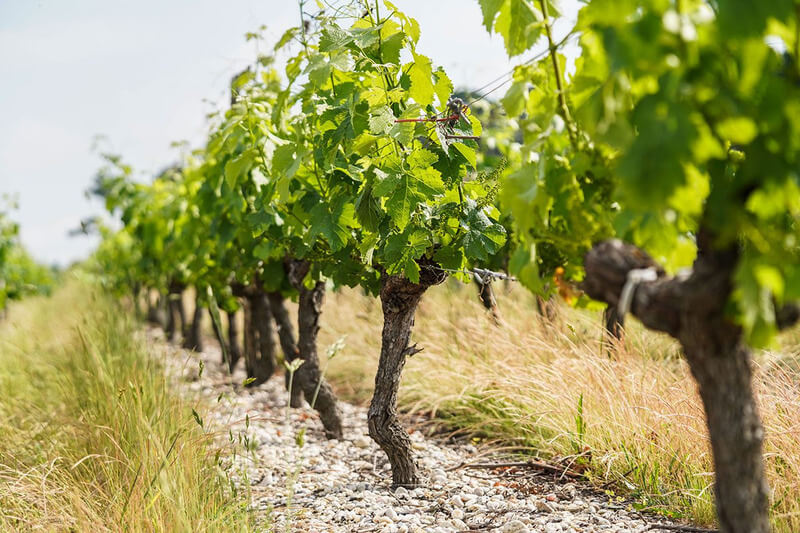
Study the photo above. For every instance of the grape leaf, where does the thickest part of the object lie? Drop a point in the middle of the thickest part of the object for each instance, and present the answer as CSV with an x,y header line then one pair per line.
x,y
422,88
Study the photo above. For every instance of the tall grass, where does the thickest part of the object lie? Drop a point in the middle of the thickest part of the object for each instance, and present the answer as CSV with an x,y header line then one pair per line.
x,y
94,435
554,391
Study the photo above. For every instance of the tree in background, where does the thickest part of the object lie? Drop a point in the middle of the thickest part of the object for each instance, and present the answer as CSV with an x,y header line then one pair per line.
x,y
20,274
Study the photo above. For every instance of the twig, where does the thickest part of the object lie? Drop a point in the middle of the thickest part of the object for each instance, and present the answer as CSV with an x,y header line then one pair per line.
x,y
465,137
484,274
412,350
484,453
491,274
529,464
427,119
682,529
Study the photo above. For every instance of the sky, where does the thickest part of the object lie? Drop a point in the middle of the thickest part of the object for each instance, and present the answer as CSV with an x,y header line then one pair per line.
x,y
144,74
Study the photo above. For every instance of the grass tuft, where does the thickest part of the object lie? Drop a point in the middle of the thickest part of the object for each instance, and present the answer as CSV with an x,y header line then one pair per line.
x,y
95,437
554,391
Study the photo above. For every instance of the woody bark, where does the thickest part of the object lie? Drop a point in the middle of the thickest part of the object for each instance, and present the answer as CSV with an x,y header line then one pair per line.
x,y
691,308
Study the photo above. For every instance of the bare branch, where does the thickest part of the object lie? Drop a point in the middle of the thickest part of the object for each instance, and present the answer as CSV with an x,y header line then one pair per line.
x,y
412,350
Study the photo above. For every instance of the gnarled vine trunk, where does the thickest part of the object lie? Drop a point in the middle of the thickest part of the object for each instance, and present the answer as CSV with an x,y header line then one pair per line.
x,y
487,297
136,293
176,314
309,378
234,351
153,309
399,300
223,345
283,324
691,308
169,326
259,346
613,328
194,336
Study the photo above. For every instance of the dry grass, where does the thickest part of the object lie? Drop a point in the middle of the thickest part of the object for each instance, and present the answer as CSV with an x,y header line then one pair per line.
x,y
94,437
524,383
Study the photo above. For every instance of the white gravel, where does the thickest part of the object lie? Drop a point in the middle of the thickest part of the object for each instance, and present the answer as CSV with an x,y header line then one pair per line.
x,y
343,486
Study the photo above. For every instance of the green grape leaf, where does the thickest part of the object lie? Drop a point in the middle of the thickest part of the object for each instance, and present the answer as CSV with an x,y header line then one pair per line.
x,y
390,48
443,87
385,183
331,222
402,132
489,9
368,210
514,99
482,237
468,153
333,39
287,36
519,22
451,257
428,181
403,201
237,166
402,251
285,161
422,158
420,73
381,120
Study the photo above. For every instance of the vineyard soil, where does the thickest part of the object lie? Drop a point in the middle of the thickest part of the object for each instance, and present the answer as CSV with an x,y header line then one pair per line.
x,y
637,419
299,480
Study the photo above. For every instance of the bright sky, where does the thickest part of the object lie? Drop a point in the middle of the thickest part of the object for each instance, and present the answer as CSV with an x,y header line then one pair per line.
x,y
144,73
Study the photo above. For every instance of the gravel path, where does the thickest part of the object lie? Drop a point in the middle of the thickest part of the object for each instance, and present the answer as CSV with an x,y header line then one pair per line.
x,y
343,486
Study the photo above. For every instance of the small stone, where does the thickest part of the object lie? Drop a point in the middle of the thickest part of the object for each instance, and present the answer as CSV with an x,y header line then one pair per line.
x,y
340,483
438,480
495,505
459,525
362,441
543,506
456,501
515,526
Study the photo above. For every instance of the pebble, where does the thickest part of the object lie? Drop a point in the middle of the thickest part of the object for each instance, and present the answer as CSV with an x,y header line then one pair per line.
x,y
343,486
543,506
456,501
362,441
515,526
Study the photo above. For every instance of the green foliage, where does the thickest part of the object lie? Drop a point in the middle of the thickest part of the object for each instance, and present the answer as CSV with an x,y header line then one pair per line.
x,y
671,120
20,274
313,165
